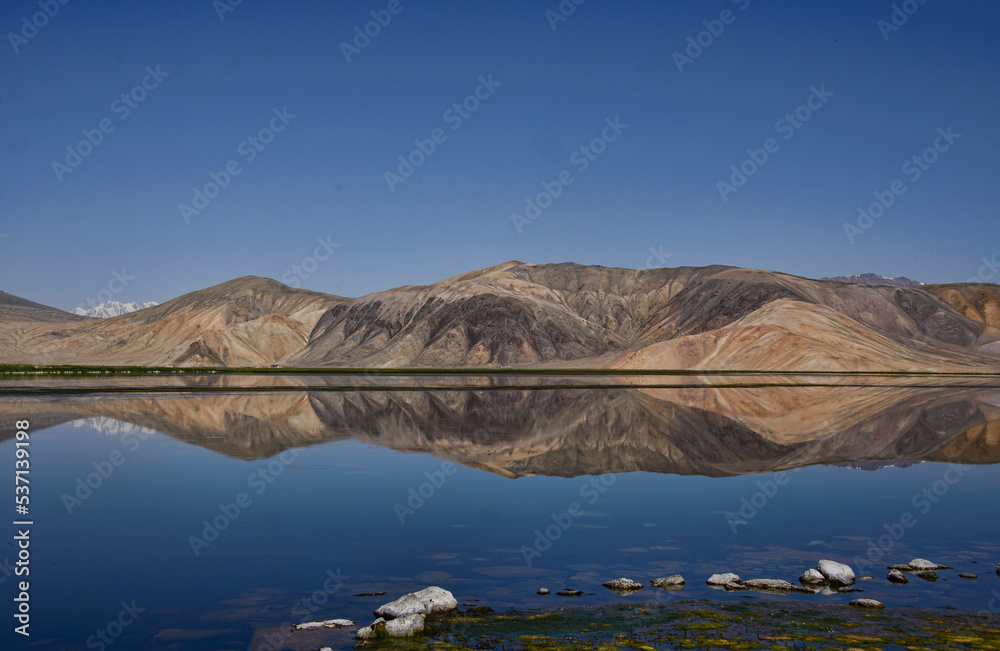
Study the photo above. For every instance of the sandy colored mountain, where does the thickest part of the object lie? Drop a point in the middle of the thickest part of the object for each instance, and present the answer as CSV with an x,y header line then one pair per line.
x,y
245,322
556,315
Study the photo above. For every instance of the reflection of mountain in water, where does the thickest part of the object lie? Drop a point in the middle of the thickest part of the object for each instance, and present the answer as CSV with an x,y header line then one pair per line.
x,y
714,431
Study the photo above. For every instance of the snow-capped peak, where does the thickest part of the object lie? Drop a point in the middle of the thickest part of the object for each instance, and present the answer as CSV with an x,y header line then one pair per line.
x,y
113,308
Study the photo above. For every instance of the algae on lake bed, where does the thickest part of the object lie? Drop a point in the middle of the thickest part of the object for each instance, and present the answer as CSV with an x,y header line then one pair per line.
x,y
707,625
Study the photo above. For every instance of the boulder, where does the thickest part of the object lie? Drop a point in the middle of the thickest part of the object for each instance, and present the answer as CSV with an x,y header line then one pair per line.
x,y
867,603
371,631
836,572
922,564
543,591
423,602
672,581
811,577
897,577
623,585
407,626
723,579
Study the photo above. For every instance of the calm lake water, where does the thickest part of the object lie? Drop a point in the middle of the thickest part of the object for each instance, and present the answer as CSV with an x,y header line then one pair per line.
x,y
205,512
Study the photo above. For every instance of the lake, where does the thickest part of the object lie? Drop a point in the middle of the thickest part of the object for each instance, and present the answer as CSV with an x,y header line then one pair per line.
x,y
206,511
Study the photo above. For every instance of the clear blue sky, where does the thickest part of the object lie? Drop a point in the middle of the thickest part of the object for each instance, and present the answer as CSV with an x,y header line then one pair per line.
x,y
323,175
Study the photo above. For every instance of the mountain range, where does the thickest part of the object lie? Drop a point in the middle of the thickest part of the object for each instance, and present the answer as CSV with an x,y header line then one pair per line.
x,y
111,308
875,279
529,315
713,430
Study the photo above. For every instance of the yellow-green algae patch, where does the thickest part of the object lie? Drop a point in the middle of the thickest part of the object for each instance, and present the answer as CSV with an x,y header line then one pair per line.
x,y
707,626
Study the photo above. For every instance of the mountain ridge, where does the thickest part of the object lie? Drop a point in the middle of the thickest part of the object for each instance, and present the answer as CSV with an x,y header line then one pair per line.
x,y
529,315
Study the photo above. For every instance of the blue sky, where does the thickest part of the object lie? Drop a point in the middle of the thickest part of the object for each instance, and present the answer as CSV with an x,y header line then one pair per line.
x,y
113,221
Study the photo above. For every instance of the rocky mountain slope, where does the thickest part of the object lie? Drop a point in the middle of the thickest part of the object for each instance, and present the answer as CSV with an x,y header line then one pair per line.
x,y
245,322
568,315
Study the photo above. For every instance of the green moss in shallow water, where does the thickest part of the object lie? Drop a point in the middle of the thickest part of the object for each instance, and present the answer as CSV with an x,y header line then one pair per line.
x,y
707,626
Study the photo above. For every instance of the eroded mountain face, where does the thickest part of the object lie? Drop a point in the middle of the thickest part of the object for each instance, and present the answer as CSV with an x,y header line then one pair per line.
x,y
571,431
516,314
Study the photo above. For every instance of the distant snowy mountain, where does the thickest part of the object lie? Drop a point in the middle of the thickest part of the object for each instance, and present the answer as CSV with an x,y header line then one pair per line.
x,y
112,308
111,427
875,279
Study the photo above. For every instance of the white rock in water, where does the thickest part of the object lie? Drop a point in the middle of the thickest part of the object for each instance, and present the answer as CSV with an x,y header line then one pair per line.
x,y
723,579
405,626
836,572
668,581
368,632
921,564
622,584
812,576
867,603
895,576
330,623
423,602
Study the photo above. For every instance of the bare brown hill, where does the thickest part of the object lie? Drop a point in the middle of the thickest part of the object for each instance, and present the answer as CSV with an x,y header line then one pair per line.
x,y
245,322
556,315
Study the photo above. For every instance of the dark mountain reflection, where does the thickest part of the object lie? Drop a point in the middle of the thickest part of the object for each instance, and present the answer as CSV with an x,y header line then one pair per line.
x,y
498,425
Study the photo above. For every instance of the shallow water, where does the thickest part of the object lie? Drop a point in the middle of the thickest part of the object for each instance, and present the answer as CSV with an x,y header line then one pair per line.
x,y
490,487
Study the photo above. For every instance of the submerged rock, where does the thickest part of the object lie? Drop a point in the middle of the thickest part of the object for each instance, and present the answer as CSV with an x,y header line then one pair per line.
x,y
329,623
836,572
897,577
570,593
924,564
928,575
867,603
423,602
672,581
543,591
810,577
901,567
968,575
623,585
723,579
768,584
